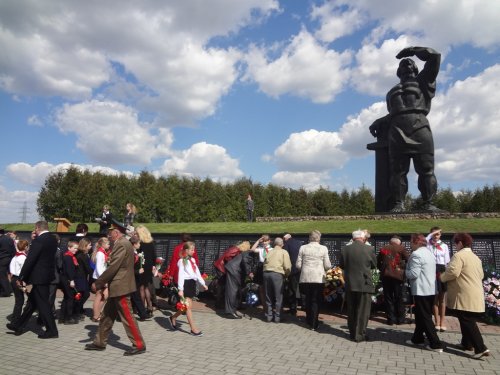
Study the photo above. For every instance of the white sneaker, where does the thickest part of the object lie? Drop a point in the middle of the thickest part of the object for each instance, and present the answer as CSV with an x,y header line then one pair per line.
x,y
437,350
486,353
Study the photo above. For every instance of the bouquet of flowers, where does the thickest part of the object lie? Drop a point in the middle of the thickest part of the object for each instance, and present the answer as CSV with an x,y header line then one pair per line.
x,y
182,305
78,295
158,263
334,284
141,262
166,279
378,297
491,285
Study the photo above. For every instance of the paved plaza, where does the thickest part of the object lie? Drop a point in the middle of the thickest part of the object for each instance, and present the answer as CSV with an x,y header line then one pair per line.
x,y
246,346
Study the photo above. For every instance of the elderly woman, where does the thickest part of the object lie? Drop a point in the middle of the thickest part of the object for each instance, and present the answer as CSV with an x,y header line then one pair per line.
x,y
421,271
313,262
464,276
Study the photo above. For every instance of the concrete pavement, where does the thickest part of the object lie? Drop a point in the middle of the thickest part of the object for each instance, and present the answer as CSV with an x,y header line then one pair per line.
x,y
238,347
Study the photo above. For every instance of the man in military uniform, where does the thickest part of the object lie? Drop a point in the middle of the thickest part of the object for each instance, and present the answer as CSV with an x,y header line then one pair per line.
x,y
119,277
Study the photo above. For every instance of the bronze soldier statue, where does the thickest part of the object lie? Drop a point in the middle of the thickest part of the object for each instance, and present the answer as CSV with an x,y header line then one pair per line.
x,y
408,132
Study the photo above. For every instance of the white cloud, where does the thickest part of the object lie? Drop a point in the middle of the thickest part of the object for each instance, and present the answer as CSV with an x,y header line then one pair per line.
x,y
111,133
34,120
310,150
70,49
445,22
305,69
35,175
336,22
203,160
466,125
307,180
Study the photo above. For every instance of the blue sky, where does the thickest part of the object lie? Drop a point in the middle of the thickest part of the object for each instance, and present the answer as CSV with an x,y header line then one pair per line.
x,y
280,92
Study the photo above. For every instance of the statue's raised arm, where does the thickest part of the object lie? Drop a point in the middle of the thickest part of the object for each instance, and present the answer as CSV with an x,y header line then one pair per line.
x,y
431,57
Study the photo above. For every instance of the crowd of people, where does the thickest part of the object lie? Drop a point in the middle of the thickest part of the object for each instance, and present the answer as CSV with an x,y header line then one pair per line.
x,y
119,268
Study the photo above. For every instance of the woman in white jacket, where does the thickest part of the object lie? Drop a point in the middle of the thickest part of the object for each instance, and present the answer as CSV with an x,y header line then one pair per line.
x,y
421,272
313,262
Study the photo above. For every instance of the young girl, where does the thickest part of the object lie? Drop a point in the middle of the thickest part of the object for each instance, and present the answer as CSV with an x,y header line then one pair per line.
x,y
82,275
15,268
189,273
100,259
442,254
68,274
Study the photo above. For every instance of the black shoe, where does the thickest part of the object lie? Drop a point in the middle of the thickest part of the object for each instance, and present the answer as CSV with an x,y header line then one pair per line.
x,y
134,351
198,334
390,323
47,335
405,321
94,347
71,321
172,324
144,319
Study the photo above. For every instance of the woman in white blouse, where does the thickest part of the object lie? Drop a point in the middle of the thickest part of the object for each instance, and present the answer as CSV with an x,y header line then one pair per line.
x,y
189,274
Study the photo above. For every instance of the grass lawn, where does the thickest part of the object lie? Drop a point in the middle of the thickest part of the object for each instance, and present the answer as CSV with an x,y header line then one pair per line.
x,y
386,226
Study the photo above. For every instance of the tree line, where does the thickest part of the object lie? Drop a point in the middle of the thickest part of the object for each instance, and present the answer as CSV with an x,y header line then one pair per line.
x,y
79,195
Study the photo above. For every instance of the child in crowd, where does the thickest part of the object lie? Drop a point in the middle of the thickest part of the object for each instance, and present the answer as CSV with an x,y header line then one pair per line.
x,y
100,259
15,268
83,273
188,274
442,254
68,274
135,297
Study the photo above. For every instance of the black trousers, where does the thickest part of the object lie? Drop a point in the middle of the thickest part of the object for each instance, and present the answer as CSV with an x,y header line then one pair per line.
x,y
38,299
19,301
68,302
5,289
293,287
313,296
424,323
135,298
471,336
393,297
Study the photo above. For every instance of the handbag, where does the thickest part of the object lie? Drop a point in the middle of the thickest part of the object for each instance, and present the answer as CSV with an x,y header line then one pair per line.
x,y
406,296
397,273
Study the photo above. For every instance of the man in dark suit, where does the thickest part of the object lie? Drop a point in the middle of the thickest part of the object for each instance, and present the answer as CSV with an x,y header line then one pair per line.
x,y
357,260
120,279
7,252
292,245
39,271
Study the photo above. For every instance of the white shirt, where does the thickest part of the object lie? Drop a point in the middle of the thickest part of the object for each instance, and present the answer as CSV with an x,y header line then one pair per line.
x,y
16,264
441,252
100,264
186,272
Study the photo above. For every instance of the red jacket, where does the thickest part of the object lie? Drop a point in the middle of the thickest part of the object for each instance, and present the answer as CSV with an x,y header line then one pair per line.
x,y
172,268
229,254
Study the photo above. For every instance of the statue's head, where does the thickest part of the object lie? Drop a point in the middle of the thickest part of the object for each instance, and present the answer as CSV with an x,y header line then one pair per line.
x,y
407,68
